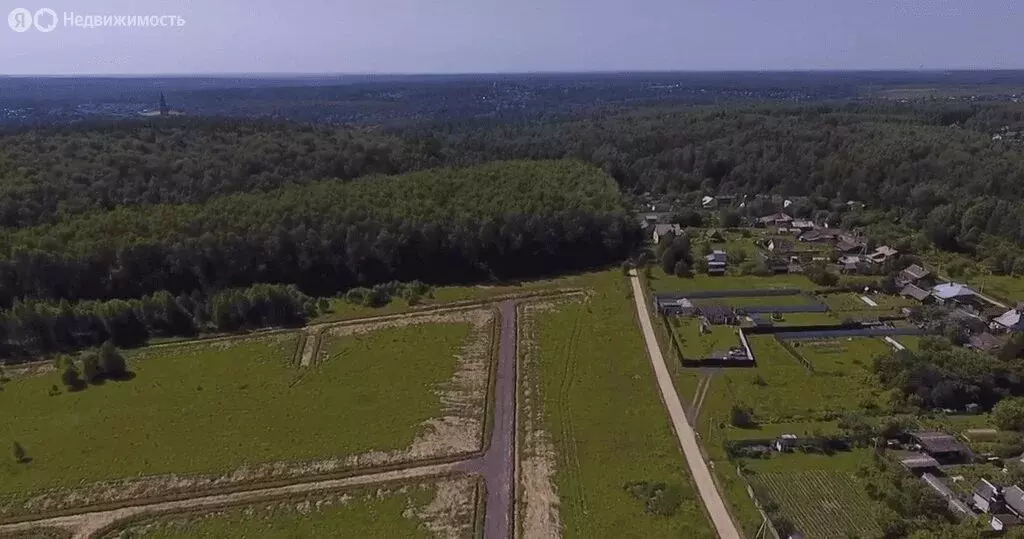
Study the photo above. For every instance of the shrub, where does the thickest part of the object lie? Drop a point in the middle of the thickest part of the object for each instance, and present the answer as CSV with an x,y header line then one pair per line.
x,y
658,498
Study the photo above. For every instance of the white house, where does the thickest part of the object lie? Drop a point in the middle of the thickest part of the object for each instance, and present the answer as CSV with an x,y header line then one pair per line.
x,y
660,231
1012,320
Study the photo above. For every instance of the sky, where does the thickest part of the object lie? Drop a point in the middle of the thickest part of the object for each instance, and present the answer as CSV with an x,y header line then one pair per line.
x,y
491,36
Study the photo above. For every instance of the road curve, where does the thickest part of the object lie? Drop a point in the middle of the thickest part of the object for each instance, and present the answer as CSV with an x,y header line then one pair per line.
x,y
687,439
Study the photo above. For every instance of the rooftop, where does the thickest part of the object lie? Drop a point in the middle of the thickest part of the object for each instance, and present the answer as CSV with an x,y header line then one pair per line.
x,y
937,442
951,290
1012,319
916,272
915,292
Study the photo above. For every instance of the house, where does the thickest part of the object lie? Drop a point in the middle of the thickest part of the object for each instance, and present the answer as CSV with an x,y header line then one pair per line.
x,y
847,245
802,225
775,263
780,245
915,292
708,202
985,341
718,314
717,262
916,462
775,219
820,235
714,235
988,498
940,446
674,306
952,292
912,275
660,231
1012,320
1005,521
882,254
785,443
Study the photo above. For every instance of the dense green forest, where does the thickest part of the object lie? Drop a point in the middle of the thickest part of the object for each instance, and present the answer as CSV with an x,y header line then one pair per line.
x,y
930,167
499,220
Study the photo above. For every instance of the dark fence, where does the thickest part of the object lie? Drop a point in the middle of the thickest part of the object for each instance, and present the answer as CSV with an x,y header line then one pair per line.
x,y
746,292
795,353
865,332
718,362
768,309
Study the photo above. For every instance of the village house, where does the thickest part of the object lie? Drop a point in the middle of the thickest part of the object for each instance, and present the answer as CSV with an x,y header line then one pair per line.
x,y
775,263
915,292
717,262
821,235
882,254
947,293
714,235
849,245
1012,320
802,224
778,245
1005,505
915,275
718,314
708,202
661,231
776,220
673,306
942,447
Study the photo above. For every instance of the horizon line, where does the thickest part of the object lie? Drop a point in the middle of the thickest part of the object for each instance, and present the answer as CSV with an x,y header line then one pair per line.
x,y
258,74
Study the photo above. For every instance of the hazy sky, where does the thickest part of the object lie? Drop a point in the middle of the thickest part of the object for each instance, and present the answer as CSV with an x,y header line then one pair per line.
x,y
446,36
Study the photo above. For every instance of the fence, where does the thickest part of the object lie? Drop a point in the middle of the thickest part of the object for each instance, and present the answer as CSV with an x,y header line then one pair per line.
x,y
795,353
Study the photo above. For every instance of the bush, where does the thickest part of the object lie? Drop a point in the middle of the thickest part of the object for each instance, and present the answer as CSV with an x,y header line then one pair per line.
x,y
742,417
659,499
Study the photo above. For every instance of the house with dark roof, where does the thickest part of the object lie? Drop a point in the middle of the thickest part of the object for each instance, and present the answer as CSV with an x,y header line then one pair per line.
x,y
915,292
914,274
717,262
673,306
714,235
984,341
1012,320
1006,505
662,231
775,219
780,245
940,446
718,314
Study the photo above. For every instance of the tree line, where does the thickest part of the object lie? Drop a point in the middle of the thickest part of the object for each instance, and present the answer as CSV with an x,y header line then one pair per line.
x,y
33,327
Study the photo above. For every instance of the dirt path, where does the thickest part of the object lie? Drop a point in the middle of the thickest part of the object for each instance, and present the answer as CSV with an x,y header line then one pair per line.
x,y
86,524
497,465
687,439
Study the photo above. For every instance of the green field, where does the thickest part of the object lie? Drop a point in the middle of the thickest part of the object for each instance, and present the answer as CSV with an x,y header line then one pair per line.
x,y
660,282
821,503
606,420
211,408
697,346
375,512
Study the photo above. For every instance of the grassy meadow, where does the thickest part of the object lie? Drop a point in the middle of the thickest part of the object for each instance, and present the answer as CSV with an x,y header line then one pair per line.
x,y
606,420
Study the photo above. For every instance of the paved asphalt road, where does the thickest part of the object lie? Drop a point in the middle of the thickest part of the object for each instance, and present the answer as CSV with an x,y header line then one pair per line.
x,y
497,465
698,468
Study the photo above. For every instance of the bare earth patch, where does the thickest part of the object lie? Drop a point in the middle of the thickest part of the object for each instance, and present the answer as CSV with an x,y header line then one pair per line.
x,y
459,430
537,498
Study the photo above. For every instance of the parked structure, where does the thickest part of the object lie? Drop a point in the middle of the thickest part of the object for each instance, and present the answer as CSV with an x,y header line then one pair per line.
x,y
1012,320
717,262
662,231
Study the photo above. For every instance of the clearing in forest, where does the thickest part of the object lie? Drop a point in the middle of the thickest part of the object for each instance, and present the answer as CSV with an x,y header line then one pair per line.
x,y
240,411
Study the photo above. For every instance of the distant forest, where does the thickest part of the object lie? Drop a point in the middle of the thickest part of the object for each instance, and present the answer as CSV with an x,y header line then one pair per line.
x,y
128,210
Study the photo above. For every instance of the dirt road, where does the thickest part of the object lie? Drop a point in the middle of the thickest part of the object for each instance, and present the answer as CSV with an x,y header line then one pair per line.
x,y
497,466
687,439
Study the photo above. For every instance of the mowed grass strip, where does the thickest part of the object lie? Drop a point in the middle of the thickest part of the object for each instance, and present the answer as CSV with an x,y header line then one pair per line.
x,y
821,503
212,408
606,419
661,282
361,513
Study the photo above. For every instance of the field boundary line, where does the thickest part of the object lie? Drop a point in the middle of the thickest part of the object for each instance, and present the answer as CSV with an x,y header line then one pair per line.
x,y
146,516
